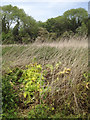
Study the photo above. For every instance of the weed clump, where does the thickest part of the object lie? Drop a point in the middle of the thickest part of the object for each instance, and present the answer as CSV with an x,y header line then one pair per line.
x,y
49,92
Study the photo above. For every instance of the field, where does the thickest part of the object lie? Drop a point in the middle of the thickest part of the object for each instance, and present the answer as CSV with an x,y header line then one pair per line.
x,y
69,53
44,63
69,91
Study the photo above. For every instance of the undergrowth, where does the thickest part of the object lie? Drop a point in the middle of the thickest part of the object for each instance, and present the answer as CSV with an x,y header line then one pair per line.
x,y
48,92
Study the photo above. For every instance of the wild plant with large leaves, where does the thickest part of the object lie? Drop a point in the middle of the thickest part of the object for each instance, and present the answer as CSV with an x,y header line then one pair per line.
x,y
33,81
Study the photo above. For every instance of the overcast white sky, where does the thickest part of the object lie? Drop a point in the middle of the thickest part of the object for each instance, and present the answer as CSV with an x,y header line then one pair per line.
x,y
41,10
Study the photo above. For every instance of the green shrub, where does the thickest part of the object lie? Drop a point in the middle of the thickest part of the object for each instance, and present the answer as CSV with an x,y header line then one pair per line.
x,y
40,111
9,97
49,92
82,30
26,39
33,82
7,38
52,36
67,34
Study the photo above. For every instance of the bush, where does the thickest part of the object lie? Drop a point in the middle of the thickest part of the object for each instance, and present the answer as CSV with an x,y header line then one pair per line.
x,y
10,97
40,111
33,82
67,34
48,92
42,35
26,39
82,30
52,36
7,38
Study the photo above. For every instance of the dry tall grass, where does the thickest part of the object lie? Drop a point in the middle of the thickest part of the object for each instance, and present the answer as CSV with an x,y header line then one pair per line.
x,y
73,55
71,43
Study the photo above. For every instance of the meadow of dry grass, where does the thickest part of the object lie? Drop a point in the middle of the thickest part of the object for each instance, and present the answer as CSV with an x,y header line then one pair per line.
x,y
72,55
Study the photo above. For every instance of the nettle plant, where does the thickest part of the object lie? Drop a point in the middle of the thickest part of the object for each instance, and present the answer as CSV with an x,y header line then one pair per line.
x,y
33,82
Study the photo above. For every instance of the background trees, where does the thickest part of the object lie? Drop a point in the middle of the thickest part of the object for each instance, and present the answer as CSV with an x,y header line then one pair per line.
x,y
74,21
16,21
75,18
18,27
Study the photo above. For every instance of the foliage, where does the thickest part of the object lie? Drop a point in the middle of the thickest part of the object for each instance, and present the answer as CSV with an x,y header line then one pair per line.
x,y
52,36
26,39
69,21
30,27
4,29
7,38
16,20
75,17
11,14
88,27
24,27
10,96
50,25
40,111
33,82
42,35
48,91
67,34
82,30
16,32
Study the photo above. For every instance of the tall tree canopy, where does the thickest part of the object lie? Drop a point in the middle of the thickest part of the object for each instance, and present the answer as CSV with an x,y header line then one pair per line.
x,y
16,24
75,17
70,20
10,16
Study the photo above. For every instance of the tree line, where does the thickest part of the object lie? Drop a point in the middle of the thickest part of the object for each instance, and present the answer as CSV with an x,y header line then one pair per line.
x,y
18,27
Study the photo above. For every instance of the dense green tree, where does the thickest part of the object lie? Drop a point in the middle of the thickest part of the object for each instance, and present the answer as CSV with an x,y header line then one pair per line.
x,y
30,27
75,17
61,25
82,30
16,34
50,25
89,28
4,24
69,21
17,24
10,16
16,29
41,24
